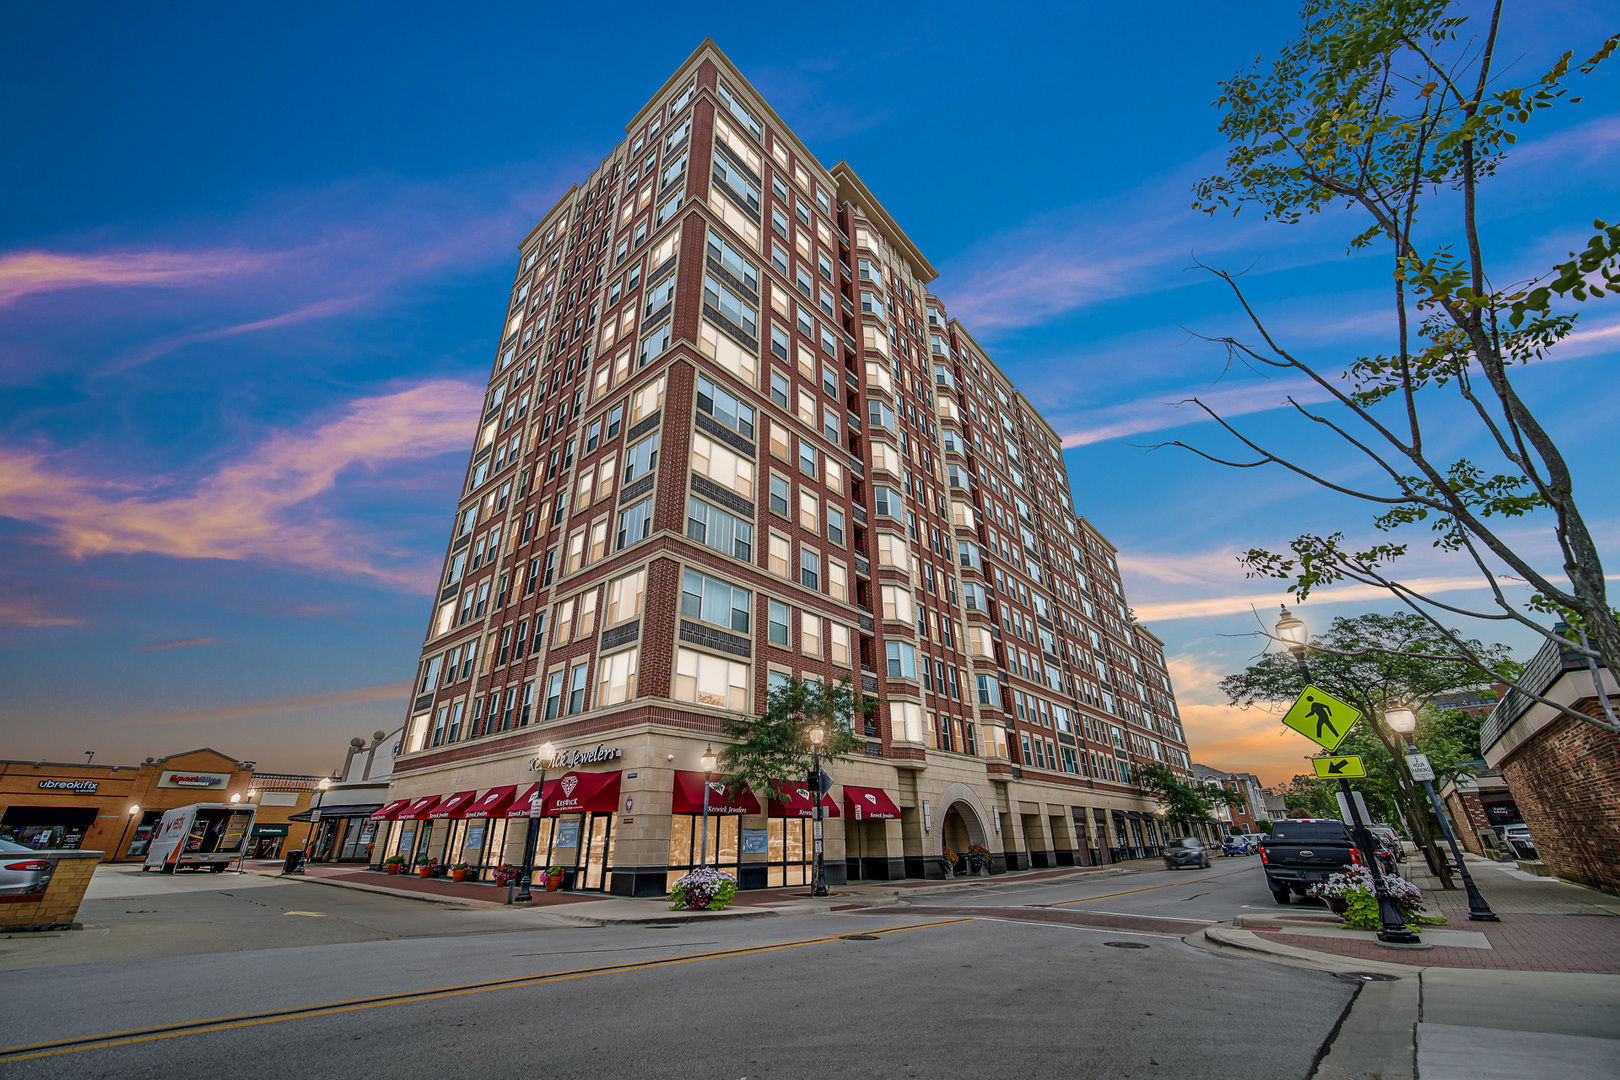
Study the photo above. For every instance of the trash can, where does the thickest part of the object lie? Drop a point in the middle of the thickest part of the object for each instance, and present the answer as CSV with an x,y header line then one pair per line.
x,y
294,863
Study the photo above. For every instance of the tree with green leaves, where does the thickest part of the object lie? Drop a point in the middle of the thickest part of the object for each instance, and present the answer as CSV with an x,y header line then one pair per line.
x,y
1396,113
1377,662
773,749
1183,801
1308,795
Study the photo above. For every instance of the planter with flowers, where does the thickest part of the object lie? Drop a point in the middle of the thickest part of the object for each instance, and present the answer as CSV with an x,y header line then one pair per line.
x,y
949,861
505,874
1350,895
394,864
704,889
554,878
978,860
458,872
424,866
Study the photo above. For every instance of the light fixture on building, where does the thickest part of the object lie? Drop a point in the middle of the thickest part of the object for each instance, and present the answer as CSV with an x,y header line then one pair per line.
x,y
236,796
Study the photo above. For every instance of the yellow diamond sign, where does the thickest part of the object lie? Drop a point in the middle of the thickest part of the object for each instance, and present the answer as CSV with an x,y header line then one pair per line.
x,y
1322,718
1339,768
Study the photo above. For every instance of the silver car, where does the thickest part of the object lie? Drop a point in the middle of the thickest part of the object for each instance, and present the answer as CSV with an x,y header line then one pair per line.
x,y
22,871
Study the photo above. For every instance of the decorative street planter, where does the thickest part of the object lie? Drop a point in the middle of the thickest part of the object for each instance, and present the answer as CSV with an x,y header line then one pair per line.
x,y
458,873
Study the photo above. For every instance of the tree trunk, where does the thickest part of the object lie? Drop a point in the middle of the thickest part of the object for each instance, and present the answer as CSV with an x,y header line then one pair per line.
x,y
1418,812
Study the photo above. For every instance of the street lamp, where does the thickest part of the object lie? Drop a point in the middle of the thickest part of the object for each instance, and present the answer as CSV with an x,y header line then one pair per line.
x,y
133,810
1403,722
537,808
817,734
708,762
1292,632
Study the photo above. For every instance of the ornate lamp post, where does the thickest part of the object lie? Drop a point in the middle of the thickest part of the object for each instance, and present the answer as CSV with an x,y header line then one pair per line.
x,y
817,734
133,810
708,763
1403,722
537,807
1292,632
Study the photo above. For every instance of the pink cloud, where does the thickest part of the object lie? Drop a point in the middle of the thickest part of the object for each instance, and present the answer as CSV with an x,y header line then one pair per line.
x,y
26,272
263,506
25,612
182,643
225,714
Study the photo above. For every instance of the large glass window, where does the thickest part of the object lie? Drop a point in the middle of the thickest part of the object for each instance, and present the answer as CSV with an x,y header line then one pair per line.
x,y
711,680
902,659
722,465
737,266
616,678
729,304
642,458
714,527
725,408
714,601
635,523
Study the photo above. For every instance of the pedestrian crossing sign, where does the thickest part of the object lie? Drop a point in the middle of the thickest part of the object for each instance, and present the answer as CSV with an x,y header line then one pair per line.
x,y
1322,718
1339,768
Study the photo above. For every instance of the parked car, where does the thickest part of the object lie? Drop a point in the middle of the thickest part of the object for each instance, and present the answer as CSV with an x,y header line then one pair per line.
x,y
1517,838
22,871
1186,851
1234,845
1303,851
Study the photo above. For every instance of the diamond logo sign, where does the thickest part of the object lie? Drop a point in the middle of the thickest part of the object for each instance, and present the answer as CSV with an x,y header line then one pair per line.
x,y
569,783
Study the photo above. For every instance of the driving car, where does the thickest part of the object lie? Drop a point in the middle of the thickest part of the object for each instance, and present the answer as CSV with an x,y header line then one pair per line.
x,y
1186,851
1234,845
22,871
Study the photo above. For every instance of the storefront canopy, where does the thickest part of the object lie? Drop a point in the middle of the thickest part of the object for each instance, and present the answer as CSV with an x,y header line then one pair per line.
x,y
519,806
419,809
736,799
453,806
493,803
870,804
580,792
391,811
797,801
336,811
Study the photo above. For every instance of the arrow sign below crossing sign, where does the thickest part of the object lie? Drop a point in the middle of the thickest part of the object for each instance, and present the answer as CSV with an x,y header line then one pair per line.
x,y
1322,718
1334,768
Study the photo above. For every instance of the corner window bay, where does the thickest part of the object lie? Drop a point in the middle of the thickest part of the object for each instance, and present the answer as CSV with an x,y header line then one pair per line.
x,y
733,445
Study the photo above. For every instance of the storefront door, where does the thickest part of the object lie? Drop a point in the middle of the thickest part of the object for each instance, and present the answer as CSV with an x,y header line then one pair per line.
x,y
595,852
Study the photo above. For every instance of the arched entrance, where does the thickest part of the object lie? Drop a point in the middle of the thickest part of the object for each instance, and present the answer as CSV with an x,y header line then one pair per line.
x,y
962,821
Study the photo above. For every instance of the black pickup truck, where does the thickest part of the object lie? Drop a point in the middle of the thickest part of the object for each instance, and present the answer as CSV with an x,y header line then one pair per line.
x,y
1303,851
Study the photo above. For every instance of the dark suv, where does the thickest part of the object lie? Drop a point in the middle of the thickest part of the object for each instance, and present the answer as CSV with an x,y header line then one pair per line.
x,y
1300,852
1186,851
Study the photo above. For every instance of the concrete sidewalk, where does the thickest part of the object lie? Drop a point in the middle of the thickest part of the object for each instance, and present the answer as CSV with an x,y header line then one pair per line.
x,y
599,909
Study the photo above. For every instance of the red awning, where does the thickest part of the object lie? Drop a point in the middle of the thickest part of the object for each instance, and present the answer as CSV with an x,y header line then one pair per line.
x,y
870,804
391,811
722,800
492,803
520,804
419,809
576,792
796,801
454,806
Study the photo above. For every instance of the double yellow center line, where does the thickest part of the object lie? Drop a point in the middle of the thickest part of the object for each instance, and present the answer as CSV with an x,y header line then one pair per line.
x,y
226,1023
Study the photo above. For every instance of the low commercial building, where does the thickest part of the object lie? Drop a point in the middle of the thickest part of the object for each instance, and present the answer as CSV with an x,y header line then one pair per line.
x,y
1480,805
111,808
1563,773
342,820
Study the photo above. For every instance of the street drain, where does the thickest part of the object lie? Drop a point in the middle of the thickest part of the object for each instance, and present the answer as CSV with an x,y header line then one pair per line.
x,y
1364,976
858,937
1124,945
662,926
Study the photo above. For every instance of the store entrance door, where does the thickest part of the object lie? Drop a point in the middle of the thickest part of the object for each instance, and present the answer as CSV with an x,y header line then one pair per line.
x,y
595,852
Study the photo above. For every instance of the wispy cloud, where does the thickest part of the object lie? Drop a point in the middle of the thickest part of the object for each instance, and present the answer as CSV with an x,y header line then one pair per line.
x,y
218,714
319,310
26,272
182,643
25,612
1162,411
265,506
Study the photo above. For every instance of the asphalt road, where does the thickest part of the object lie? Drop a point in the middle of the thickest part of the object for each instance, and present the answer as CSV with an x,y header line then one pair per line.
x,y
932,994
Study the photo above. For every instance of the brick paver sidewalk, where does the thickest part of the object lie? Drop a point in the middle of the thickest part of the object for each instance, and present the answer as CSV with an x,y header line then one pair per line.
x,y
1546,925
488,893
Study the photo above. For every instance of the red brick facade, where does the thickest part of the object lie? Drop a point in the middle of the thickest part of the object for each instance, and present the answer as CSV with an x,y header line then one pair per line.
x,y
1566,780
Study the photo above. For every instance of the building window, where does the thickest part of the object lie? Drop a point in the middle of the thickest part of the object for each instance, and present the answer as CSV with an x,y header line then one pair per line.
x,y
809,569
777,618
616,678
625,597
635,523
726,468
902,658
712,681
642,458
725,408
711,600
717,529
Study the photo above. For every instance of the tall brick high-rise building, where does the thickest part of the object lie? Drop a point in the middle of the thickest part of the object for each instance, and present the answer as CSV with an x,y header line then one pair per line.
x,y
730,437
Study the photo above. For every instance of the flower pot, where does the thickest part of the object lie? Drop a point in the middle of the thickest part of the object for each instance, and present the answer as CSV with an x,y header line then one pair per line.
x,y
983,871
459,874
1337,904
553,883
423,871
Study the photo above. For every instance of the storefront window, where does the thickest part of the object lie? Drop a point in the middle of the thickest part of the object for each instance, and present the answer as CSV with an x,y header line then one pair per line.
x,y
685,843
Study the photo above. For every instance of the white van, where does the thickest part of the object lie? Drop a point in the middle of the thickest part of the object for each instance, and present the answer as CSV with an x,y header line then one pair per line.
x,y
210,835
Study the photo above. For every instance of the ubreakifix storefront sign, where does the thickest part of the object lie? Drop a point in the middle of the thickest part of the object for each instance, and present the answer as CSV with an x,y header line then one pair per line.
x,y
174,778
77,787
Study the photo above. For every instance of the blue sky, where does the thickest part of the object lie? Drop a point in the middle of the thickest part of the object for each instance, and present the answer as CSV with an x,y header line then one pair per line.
x,y
251,273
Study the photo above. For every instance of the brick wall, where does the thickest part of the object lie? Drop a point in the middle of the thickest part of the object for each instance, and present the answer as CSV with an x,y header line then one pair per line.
x,y
1467,815
59,905
1564,780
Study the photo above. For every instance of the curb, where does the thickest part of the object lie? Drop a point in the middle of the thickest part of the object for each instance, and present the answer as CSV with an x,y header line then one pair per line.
x,y
1224,935
444,901
666,918
980,883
